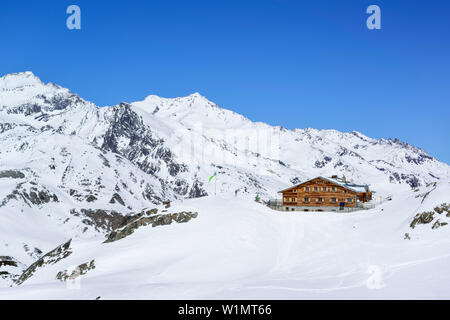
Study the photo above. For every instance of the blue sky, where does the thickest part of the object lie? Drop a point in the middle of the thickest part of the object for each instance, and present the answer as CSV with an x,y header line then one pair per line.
x,y
291,63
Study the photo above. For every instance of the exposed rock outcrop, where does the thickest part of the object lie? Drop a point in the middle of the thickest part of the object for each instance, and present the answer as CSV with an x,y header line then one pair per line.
x,y
80,270
438,224
52,257
101,220
429,216
10,268
31,193
13,174
150,217
197,191
117,198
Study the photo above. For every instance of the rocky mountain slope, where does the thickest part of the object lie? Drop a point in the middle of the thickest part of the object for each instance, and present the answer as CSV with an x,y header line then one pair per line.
x,y
71,169
231,248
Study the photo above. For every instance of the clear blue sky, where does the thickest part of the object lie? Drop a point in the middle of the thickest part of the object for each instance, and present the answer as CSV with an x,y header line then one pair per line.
x,y
291,63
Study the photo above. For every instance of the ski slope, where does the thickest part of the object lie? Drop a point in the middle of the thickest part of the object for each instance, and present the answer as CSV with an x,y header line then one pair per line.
x,y
72,170
240,249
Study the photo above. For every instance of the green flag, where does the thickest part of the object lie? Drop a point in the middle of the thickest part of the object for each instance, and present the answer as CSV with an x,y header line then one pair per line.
x,y
210,178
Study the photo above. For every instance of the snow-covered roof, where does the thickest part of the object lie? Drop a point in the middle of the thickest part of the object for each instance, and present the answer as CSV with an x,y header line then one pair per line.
x,y
348,185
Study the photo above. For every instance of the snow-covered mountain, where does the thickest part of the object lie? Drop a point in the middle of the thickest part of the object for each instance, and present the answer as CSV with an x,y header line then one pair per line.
x,y
178,143
71,169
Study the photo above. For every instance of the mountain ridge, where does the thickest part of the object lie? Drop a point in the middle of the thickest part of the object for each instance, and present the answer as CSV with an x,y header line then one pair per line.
x,y
72,170
189,98
193,115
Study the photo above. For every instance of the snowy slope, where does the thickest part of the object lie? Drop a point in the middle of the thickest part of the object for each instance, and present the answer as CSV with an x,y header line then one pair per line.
x,y
201,132
72,170
182,141
240,249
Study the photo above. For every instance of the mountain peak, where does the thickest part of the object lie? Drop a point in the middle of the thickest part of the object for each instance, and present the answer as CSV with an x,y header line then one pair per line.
x,y
26,74
196,95
20,79
21,88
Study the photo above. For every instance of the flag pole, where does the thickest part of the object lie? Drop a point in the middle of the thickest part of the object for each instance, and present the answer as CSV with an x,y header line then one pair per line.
x,y
215,182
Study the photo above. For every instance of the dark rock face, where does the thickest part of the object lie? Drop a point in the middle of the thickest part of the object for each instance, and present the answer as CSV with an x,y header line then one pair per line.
x,y
33,196
426,194
60,102
147,218
91,198
7,261
10,268
80,270
46,104
108,221
6,126
281,163
438,224
344,151
181,187
422,218
410,179
27,109
427,217
196,190
117,198
323,163
143,148
106,162
443,209
57,254
150,194
125,123
13,174
38,197
420,159
101,220
36,253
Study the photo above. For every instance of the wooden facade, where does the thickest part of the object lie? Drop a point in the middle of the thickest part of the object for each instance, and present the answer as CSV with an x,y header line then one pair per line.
x,y
322,192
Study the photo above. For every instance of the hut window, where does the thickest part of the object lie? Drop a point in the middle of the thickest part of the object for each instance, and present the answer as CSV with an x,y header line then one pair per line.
x,y
324,189
293,199
306,199
316,189
334,200
320,200
349,200
306,188
334,188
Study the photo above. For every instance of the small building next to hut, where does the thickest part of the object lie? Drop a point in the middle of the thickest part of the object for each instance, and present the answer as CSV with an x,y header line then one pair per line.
x,y
325,194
